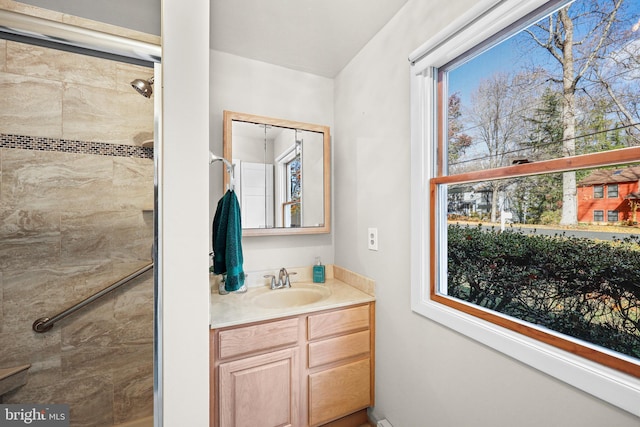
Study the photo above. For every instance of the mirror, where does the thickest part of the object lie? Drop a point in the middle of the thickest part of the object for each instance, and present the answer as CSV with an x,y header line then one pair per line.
x,y
282,174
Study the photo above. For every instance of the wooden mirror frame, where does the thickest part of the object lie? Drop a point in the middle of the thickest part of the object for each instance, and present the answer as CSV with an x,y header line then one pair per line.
x,y
227,146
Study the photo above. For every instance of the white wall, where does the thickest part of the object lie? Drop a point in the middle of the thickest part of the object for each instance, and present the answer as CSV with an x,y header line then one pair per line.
x,y
184,214
426,375
249,86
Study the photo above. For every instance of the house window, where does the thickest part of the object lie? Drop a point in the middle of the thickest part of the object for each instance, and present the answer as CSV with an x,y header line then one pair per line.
x,y
612,216
289,186
612,191
598,216
598,191
292,211
490,118
506,135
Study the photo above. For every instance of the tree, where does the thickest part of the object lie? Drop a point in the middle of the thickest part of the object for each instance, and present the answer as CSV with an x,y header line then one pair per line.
x,y
494,113
458,140
545,127
616,75
576,57
540,194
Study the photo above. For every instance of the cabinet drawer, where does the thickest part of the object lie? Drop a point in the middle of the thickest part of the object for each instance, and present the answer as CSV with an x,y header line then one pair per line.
x,y
338,322
250,339
339,348
340,391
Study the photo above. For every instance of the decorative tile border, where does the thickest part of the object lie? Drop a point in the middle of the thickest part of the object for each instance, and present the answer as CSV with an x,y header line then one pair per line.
x,y
25,142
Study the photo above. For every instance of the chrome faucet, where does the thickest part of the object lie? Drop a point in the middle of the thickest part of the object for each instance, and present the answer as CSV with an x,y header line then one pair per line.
x,y
283,279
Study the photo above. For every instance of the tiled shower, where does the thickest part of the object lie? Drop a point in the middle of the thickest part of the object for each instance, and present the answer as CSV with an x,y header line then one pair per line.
x,y
76,214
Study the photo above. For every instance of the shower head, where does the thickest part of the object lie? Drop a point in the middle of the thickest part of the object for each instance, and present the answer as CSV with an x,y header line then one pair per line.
x,y
143,87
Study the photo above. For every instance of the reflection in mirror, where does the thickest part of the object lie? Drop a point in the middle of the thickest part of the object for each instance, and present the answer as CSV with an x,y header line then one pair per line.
x,y
282,174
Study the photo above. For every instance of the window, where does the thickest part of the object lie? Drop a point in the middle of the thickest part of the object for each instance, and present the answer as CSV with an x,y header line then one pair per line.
x,y
598,216
289,186
292,212
612,216
598,191
612,191
488,120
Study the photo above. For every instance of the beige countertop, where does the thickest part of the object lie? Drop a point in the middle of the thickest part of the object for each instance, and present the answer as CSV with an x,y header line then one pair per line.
x,y
345,288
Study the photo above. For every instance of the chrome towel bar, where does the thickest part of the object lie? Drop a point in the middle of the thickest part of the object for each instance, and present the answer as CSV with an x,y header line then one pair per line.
x,y
45,324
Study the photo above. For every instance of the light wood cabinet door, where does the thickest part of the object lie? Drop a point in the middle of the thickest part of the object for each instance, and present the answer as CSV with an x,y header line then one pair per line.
x,y
261,391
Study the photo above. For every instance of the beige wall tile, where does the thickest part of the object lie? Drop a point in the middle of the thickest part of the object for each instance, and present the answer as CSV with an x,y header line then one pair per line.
x,y
133,311
87,235
35,61
3,55
136,297
87,334
1,303
133,381
30,106
42,292
126,73
54,181
90,399
104,235
94,114
22,346
30,239
133,183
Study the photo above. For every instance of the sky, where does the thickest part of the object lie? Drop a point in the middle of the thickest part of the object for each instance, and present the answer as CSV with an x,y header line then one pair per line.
x,y
512,55
520,52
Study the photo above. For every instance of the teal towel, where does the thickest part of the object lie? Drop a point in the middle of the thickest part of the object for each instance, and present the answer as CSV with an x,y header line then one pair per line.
x,y
227,241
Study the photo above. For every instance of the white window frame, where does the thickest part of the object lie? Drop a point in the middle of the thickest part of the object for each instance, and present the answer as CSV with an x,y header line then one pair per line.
x,y
482,21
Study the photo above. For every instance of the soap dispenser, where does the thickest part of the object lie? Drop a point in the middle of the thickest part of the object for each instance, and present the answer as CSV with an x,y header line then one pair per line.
x,y
318,271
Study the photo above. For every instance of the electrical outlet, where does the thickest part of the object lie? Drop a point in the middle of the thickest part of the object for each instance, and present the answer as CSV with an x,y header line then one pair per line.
x,y
372,239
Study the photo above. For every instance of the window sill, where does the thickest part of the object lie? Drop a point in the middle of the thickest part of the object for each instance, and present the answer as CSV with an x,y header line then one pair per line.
x,y
612,386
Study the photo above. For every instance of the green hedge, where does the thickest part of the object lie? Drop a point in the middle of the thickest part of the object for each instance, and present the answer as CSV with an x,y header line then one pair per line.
x,y
584,288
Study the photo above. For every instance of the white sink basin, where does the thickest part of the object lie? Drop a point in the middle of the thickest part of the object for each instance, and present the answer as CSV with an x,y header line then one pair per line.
x,y
295,296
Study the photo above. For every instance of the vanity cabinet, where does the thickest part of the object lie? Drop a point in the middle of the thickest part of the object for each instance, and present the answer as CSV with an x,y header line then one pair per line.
x,y
340,379
310,370
259,386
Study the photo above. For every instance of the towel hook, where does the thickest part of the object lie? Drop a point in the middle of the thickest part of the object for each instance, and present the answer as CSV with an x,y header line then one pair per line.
x,y
229,166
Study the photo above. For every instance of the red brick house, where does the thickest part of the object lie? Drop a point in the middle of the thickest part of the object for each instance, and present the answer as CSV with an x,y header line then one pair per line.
x,y
609,195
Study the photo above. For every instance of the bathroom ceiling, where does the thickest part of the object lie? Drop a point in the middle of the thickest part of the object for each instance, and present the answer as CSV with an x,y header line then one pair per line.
x,y
315,36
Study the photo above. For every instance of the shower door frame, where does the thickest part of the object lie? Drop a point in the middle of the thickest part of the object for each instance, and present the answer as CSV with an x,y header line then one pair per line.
x,y
33,30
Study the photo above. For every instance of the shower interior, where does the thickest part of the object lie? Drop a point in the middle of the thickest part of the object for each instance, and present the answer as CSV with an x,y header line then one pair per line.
x,y
76,209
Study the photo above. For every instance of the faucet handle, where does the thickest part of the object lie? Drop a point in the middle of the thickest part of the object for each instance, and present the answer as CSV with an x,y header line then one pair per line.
x,y
273,280
291,274
287,282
